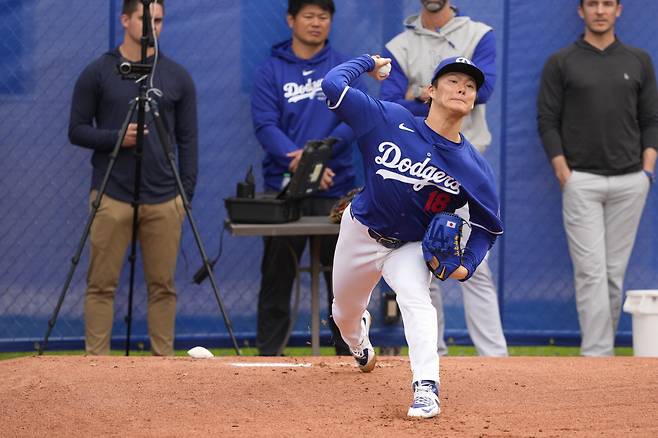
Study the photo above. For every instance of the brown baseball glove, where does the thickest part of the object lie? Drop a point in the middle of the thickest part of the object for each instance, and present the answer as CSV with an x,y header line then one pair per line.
x,y
336,213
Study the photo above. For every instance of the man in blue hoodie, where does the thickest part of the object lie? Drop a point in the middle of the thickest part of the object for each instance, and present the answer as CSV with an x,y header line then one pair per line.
x,y
288,109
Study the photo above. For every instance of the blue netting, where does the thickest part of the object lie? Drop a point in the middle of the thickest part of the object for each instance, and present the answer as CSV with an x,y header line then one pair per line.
x,y
44,180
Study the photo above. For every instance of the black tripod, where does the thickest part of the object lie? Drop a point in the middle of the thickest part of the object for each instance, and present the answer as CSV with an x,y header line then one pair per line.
x,y
142,104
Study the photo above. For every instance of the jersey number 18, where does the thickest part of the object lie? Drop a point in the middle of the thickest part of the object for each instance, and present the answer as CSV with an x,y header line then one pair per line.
x,y
437,201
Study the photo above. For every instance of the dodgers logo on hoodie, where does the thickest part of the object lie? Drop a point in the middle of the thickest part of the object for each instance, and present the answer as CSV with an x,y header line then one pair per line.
x,y
295,92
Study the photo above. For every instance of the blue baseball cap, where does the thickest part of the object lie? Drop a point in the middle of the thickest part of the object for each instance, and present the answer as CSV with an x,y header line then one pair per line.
x,y
459,64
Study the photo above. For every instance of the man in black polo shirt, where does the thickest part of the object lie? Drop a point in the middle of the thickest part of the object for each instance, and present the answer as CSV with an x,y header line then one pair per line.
x,y
99,107
598,120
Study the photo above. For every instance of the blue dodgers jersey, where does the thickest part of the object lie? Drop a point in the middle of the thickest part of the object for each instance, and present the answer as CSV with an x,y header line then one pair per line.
x,y
405,184
411,171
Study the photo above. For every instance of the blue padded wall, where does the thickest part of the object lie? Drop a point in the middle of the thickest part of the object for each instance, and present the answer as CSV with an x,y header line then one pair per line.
x,y
44,180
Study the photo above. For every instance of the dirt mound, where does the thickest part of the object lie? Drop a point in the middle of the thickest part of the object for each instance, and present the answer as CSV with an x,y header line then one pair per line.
x,y
324,396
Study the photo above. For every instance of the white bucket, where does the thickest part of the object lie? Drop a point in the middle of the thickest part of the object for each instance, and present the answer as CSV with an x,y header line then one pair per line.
x,y
643,305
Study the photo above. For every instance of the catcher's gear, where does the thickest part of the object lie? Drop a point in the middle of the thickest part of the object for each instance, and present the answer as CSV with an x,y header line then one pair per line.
x,y
441,244
336,213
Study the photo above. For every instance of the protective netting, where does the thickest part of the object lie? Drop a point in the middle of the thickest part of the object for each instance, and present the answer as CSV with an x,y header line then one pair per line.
x,y
44,180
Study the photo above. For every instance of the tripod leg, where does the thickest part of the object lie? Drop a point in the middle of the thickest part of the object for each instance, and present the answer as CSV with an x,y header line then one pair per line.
x,y
132,258
135,204
131,282
168,150
90,219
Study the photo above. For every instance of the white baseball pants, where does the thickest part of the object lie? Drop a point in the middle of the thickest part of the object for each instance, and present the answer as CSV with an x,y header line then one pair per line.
x,y
359,263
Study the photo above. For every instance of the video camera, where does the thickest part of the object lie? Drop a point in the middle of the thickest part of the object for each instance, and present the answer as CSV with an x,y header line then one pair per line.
x,y
133,70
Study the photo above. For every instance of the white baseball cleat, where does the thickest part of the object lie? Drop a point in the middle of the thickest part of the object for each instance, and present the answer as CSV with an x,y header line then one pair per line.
x,y
363,353
426,402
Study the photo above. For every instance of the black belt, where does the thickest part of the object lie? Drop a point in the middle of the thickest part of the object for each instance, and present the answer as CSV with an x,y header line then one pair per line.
x,y
386,242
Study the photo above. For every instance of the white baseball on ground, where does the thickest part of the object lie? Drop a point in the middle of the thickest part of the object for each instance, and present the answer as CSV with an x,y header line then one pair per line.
x,y
199,353
384,70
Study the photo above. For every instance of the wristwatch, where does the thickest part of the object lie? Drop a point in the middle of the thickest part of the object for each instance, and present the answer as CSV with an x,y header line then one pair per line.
x,y
650,175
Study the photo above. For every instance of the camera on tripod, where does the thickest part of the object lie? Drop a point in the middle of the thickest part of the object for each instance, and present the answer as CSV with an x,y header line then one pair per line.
x,y
134,70
143,73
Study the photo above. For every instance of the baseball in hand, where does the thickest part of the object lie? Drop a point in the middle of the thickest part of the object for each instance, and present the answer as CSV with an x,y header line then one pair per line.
x,y
384,70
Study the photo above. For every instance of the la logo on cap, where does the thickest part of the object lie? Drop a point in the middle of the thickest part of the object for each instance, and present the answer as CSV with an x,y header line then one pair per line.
x,y
463,60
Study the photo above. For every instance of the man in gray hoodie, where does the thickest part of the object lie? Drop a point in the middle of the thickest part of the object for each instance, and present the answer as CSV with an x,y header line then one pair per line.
x,y
436,33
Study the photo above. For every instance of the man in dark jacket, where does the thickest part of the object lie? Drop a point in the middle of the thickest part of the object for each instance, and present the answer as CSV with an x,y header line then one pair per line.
x,y
99,107
598,119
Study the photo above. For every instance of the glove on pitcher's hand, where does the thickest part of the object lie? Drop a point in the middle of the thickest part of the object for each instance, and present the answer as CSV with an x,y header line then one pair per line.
x,y
442,244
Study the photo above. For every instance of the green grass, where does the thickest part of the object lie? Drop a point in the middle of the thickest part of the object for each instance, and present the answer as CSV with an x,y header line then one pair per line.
x,y
560,351
453,350
542,350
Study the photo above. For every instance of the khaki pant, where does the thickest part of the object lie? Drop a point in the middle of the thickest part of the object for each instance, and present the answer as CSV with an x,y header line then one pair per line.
x,y
159,234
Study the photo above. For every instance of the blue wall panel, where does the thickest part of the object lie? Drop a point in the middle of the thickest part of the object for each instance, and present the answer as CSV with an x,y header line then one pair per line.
x,y
44,180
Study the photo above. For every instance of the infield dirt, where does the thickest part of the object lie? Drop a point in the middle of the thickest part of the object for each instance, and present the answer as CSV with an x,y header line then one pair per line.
x,y
324,397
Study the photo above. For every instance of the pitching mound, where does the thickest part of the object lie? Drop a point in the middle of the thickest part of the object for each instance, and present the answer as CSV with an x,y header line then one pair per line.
x,y
324,396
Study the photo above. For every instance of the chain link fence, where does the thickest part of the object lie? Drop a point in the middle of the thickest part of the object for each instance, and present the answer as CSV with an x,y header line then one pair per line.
x,y
44,180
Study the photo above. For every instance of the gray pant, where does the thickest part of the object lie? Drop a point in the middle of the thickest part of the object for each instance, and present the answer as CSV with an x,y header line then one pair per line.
x,y
601,215
480,307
